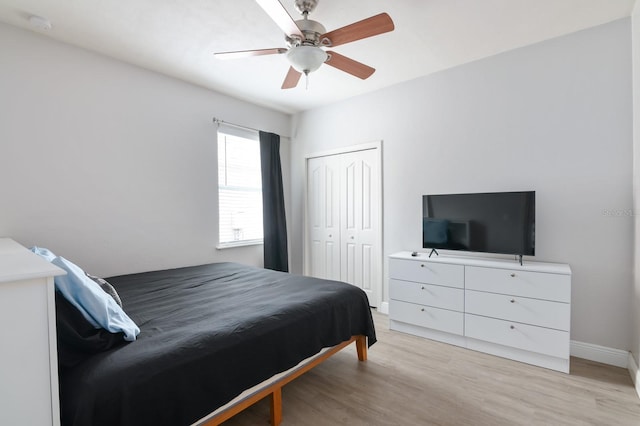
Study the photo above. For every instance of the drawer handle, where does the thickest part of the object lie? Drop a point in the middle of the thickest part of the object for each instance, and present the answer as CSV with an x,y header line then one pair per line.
x,y
513,274
512,300
513,327
422,309
422,265
422,288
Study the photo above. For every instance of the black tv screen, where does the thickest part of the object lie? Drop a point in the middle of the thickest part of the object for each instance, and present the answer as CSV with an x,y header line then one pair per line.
x,y
492,222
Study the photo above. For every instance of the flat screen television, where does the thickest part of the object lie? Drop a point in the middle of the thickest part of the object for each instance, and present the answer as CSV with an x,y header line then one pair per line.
x,y
491,222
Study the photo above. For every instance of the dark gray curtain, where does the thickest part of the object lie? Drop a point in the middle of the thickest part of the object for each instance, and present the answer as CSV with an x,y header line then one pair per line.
x,y
276,256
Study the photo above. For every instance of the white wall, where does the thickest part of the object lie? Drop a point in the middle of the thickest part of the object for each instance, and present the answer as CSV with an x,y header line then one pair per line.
x,y
110,165
554,117
635,330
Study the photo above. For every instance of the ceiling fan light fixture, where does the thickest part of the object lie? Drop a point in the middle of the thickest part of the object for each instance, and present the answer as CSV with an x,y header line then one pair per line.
x,y
307,38
306,59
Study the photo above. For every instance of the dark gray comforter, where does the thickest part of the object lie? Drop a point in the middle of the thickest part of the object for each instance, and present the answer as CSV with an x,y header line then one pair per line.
x,y
207,333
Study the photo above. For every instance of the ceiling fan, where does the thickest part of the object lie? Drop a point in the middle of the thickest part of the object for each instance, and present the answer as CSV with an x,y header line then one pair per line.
x,y
306,39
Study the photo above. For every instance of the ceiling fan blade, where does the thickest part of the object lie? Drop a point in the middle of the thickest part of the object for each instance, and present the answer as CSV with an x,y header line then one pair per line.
x,y
350,66
281,17
378,24
246,53
292,79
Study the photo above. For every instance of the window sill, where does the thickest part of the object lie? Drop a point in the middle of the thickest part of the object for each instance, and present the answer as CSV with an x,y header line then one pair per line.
x,y
244,243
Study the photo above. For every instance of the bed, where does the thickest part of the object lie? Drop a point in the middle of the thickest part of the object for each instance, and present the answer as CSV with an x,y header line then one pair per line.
x,y
209,333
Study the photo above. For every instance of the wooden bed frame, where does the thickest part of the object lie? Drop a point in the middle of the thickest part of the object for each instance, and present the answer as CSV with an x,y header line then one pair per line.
x,y
274,389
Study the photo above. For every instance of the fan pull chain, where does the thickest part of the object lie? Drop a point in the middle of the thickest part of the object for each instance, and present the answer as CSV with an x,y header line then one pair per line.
x,y
306,81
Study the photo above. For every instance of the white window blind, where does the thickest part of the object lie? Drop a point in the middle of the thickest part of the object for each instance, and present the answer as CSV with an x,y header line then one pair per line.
x,y
239,188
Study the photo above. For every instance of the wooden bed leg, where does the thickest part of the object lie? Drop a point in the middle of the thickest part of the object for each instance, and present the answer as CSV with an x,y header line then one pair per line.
x,y
276,407
361,347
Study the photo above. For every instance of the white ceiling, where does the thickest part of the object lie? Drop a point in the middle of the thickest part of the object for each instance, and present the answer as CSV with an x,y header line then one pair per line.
x,y
178,38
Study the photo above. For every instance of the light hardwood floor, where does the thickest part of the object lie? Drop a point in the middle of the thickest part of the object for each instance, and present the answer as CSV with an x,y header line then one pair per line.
x,y
412,381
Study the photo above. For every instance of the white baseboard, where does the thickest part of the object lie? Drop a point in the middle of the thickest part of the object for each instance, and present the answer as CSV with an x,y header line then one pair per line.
x,y
384,308
610,356
635,374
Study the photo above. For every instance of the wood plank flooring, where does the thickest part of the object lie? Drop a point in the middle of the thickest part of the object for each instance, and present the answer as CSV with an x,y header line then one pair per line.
x,y
412,381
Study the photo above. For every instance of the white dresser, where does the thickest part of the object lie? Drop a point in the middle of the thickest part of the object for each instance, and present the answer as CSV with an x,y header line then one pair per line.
x,y
28,359
521,312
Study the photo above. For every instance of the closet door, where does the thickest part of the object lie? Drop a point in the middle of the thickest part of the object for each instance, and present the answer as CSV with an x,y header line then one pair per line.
x,y
323,217
360,234
344,231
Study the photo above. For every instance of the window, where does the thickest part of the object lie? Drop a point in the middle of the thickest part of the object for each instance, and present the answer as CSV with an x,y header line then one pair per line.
x,y
239,188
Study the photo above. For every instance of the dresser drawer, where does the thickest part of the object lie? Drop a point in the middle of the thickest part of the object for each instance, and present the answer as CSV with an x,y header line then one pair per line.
x,y
426,316
538,285
427,272
543,313
427,294
527,337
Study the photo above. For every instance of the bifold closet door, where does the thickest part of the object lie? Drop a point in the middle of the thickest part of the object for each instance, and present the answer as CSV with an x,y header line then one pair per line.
x,y
343,208
359,210
323,217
